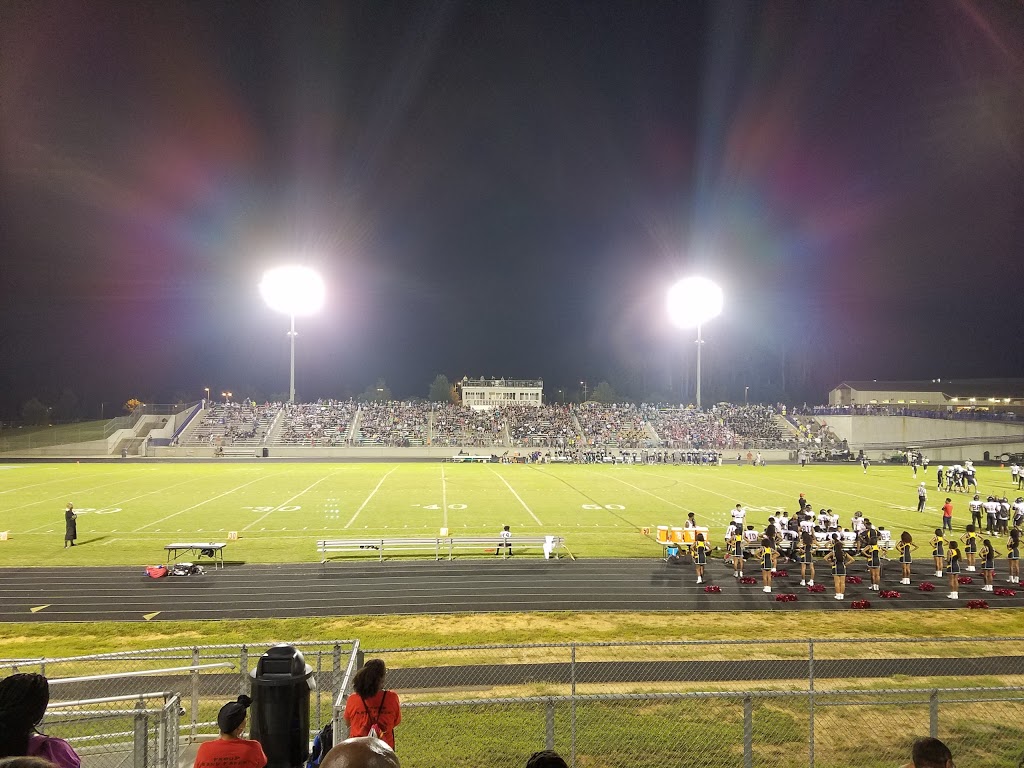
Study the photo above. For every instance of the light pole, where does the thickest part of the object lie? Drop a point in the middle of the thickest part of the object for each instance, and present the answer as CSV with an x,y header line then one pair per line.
x,y
745,390
293,291
561,395
207,390
584,385
226,396
691,303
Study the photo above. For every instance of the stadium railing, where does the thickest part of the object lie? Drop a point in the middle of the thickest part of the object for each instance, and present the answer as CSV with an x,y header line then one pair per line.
x,y
690,703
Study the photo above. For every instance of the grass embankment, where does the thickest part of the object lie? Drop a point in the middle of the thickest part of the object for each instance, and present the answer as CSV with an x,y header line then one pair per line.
x,y
31,640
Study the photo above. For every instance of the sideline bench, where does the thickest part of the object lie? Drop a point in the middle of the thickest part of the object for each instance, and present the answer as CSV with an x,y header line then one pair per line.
x,y
214,551
235,452
439,546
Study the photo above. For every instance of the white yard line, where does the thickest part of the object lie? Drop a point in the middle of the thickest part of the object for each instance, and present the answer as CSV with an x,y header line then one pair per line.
x,y
644,490
201,503
367,501
62,496
519,498
36,485
286,502
444,499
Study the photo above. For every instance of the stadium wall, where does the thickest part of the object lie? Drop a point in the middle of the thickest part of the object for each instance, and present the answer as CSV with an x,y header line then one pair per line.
x,y
975,437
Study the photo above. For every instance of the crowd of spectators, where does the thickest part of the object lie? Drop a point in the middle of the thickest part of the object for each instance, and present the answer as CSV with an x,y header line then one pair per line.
x,y
950,412
546,425
237,423
755,425
393,423
619,425
325,422
460,425
681,428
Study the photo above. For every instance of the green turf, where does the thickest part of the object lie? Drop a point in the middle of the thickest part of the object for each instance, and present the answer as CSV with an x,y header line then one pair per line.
x,y
127,512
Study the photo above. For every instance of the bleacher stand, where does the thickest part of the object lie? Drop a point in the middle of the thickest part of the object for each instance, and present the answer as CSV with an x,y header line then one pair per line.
x,y
393,423
460,425
323,423
547,425
620,425
239,423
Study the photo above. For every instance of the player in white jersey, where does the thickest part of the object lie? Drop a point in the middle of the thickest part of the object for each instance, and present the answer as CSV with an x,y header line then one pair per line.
x,y
975,506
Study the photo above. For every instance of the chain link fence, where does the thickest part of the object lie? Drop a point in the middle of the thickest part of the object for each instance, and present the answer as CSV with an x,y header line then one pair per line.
x,y
774,703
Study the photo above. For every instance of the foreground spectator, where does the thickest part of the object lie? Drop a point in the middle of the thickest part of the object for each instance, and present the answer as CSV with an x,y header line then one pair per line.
x,y
930,753
25,762
361,752
231,750
23,701
373,710
546,759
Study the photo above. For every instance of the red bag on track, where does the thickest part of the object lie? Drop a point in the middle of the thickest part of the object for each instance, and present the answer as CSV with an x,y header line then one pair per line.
x,y
156,571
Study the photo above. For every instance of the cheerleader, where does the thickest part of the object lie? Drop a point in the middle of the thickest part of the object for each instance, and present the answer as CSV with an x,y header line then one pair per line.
x,y
839,560
737,555
874,555
953,557
938,553
769,559
905,546
700,556
970,540
1013,555
988,563
805,556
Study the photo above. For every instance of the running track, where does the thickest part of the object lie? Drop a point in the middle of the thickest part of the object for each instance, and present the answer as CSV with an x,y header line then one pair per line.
x,y
353,588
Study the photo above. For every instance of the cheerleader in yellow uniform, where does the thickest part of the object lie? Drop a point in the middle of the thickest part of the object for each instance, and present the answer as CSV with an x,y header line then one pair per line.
x,y
874,555
737,555
953,558
938,550
700,556
840,561
805,556
970,540
905,546
1013,555
769,559
988,563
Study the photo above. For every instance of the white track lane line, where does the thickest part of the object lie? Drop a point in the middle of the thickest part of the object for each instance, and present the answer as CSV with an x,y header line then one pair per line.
x,y
367,501
513,490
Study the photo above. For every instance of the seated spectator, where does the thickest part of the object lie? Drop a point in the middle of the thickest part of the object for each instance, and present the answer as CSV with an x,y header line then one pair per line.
x,y
23,701
372,709
929,753
25,762
546,759
231,750
361,752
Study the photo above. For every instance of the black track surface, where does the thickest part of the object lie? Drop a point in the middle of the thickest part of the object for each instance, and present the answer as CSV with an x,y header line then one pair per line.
x,y
367,587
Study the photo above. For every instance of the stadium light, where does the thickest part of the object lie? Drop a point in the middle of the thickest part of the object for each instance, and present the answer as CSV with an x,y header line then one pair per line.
x,y
293,291
691,303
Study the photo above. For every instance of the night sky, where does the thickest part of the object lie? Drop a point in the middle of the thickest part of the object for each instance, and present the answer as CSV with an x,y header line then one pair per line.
x,y
507,189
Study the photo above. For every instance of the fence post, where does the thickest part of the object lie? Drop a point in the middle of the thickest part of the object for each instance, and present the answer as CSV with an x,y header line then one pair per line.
x,y
195,691
748,732
243,668
549,725
141,739
933,711
810,703
572,712
336,684
319,688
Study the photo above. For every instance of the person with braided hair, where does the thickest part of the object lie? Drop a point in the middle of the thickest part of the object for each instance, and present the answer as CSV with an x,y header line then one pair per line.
x,y
23,701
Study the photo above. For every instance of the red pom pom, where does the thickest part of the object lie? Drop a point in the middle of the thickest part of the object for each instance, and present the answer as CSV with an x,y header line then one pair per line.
x,y
780,573
977,604
964,580
785,598
926,586
888,594
860,604
816,588
712,588
748,580
854,579
1005,592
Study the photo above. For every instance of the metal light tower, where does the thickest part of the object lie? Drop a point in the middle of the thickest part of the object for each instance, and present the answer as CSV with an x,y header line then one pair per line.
x,y
293,291
691,303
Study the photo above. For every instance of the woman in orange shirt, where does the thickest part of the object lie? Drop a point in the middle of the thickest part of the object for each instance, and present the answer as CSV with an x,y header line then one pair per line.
x,y
231,750
373,710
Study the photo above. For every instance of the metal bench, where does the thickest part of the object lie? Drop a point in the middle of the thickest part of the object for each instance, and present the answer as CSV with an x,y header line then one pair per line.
x,y
249,452
441,545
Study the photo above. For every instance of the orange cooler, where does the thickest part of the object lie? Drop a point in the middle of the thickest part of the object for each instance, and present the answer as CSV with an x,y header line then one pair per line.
x,y
676,535
663,533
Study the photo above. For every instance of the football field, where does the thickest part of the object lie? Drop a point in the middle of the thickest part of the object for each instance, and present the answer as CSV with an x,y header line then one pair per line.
x,y
128,511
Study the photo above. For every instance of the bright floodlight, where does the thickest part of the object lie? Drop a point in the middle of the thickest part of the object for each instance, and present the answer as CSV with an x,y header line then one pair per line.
x,y
693,301
293,290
